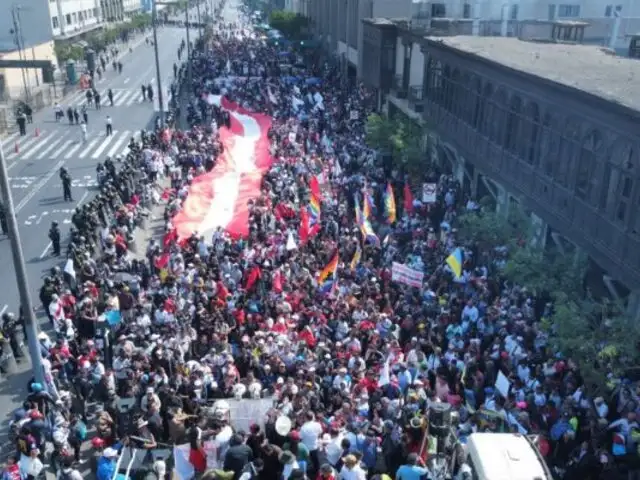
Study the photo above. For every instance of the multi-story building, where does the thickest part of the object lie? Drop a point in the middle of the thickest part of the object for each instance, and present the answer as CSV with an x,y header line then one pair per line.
x,y
546,126
112,10
131,7
338,23
70,18
25,34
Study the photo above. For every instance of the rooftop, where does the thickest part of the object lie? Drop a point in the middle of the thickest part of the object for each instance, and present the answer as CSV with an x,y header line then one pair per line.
x,y
585,67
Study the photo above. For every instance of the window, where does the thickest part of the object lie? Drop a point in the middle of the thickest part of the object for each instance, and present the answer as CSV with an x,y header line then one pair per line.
x,y
54,22
568,11
513,14
608,10
75,17
552,12
95,12
587,164
67,18
438,10
466,10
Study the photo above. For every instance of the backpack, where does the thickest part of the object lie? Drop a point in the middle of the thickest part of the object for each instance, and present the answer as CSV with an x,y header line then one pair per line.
x,y
81,431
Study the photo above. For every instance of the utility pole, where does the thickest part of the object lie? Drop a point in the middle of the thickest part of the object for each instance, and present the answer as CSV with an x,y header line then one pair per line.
x,y
17,35
199,21
21,274
189,82
154,21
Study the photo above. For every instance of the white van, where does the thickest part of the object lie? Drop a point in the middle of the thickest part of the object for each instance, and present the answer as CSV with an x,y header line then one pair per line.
x,y
505,456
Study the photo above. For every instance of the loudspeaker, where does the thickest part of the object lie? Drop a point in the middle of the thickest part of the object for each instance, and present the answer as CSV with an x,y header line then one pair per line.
x,y
439,419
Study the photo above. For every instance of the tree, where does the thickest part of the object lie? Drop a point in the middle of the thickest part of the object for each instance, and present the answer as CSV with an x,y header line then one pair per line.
x,y
398,138
599,337
490,229
65,52
292,25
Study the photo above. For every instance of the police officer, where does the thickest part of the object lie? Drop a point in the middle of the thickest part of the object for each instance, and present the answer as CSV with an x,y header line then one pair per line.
x,y
54,236
66,184
22,123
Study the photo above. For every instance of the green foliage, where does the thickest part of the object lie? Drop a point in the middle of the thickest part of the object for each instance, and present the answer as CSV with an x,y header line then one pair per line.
x,y
292,25
401,139
66,52
490,229
599,337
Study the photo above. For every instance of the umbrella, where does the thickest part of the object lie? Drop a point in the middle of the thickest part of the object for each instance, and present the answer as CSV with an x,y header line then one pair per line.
x,y
313,81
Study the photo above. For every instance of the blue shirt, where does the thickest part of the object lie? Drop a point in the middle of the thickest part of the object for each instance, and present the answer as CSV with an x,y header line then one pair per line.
x,y
412,472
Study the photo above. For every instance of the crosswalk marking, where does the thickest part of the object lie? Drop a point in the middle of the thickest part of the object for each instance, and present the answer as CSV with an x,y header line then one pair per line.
x,y
23,146
49,148
34,148
73,150
114,148
62,148
67,144
104,145
89,147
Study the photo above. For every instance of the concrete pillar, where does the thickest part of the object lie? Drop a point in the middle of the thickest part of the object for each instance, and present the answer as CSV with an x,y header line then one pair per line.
x,y
502,201
633,305
459,171
538,231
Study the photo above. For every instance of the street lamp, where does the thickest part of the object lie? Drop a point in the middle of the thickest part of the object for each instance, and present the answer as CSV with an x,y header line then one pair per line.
x,y
21,275
154,22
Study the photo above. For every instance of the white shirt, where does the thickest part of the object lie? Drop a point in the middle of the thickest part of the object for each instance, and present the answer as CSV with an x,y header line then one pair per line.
x,y
309,433
356,473
334,450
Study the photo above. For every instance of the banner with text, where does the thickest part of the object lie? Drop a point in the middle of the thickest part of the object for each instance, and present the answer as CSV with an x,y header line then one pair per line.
x,y
402,274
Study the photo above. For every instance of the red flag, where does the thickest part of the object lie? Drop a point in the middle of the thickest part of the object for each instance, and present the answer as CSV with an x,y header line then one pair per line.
x,y
303,231
276,283
314,186
408,198
170,237
162,261
253,277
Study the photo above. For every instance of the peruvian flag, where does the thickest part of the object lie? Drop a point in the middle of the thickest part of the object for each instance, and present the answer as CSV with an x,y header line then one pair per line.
x,y
221,197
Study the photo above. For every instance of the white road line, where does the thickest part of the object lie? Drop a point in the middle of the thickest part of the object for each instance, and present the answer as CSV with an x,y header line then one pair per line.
x,y
45,251
89,147
38,186
22,147
73,150
62,148
4,309
49,245
10,138
126,80
133,99
114,149
104,145
116,97
49,148
122,97
38,146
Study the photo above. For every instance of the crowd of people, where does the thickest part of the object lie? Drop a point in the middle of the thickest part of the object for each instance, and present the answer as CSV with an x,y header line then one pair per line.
x,y
304,311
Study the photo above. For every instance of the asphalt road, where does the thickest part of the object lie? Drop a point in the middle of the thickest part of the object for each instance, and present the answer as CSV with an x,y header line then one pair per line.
x,y
36,187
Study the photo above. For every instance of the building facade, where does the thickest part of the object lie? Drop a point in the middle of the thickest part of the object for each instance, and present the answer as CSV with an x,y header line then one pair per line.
x,y
338,23
70,18
131,7
561,148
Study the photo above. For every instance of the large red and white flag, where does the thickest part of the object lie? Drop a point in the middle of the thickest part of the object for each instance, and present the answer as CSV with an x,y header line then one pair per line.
x,y
220,198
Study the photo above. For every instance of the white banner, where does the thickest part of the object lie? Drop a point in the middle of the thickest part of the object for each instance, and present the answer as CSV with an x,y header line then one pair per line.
x,y
354,115
429,192
402,274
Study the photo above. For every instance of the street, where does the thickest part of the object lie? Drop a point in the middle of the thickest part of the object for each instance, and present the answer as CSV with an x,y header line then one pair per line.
x,y
33,164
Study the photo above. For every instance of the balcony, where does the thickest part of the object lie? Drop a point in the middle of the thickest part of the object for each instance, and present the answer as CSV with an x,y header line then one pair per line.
x,y
398,87
416,100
